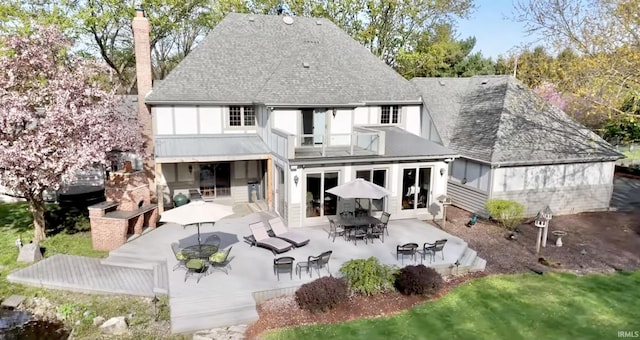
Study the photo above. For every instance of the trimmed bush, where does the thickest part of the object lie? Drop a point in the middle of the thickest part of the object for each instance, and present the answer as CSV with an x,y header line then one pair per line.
x,y
368,277
508,213
322,294
418,280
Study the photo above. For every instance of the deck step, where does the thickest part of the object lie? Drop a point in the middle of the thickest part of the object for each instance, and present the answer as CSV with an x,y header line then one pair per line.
x,y
160,279
129,262
194,313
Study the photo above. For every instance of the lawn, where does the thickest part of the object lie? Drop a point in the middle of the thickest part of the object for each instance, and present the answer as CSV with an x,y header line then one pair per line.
x,y
68,234
523,306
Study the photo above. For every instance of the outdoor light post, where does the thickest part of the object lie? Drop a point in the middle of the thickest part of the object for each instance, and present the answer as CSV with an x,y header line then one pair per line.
x,y
155,306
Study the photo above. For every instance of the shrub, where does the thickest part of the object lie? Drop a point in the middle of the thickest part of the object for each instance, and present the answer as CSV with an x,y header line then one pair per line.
x,y
508,213
418,280
322,294
368,277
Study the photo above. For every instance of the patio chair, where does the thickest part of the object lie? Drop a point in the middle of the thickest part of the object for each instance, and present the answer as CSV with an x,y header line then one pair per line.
x,y
406,249
384,220
196,267
358,232
375,231
220,260
335,230
213,240
177,252
433,248
317,262
280,231
283,264
260,238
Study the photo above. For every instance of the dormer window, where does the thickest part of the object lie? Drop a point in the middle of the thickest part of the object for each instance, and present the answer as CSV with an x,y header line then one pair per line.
x,y
242,116
390,115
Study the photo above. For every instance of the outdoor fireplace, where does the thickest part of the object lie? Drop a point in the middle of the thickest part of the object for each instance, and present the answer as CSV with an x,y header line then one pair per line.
x,y
125,213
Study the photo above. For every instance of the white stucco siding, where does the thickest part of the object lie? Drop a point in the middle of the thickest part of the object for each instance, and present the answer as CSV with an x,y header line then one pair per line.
x,y
286,120
340,127
412,119
210,119
186,120
361,116
163,119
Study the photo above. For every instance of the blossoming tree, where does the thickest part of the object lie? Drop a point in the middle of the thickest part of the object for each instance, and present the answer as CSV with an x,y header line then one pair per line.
x,y
55,117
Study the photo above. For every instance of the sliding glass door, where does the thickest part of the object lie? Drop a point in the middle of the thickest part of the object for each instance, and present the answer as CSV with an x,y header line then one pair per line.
x,y
318,202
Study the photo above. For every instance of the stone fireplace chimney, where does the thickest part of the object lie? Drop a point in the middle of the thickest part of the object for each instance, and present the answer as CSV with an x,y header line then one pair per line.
x,y
142,47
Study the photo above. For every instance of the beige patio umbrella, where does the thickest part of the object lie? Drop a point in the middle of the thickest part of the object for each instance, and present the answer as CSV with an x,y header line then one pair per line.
x,y
359,188
196,212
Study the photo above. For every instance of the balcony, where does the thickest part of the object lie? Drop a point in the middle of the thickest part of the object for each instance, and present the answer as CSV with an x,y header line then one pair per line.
x,y
361,142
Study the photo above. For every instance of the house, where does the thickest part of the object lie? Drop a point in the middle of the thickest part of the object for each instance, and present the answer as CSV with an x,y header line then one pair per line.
x,y
281,109
515,146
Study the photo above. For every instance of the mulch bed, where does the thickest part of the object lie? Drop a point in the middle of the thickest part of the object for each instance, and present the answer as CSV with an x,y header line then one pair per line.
x,y
284,312
595,242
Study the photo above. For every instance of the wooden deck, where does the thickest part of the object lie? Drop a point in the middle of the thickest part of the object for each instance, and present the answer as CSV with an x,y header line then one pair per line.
x,y
86,275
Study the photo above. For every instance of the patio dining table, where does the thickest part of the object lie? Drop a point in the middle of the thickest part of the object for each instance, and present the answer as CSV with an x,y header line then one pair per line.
x,y
199,251
355,221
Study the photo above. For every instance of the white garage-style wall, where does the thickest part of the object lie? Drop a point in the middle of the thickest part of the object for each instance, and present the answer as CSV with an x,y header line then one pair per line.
x,y
566,188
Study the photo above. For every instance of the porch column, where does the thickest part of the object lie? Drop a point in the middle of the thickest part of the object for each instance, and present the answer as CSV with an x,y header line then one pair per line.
x,y
159,193
270,183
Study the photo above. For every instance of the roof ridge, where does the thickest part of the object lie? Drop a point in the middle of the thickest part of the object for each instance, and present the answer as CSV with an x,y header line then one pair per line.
x,y
501,121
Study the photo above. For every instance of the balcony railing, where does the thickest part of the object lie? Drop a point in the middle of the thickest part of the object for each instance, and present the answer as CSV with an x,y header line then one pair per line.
x,y
362,141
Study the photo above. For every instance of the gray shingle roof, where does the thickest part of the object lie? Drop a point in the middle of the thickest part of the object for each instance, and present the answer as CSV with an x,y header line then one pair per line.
x,y
260,59
497,119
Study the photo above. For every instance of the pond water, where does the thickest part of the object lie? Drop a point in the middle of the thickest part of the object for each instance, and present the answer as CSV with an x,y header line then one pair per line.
x,y
18,325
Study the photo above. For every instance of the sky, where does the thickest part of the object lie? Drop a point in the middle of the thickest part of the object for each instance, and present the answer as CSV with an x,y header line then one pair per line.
x,y
496,34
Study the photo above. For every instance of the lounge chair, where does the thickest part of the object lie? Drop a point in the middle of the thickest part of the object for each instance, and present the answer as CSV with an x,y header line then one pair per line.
x,y
260,238
281,232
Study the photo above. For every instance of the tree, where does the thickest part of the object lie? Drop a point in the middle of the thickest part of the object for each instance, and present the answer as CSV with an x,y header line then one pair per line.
x,y
603,36
438,53
55,119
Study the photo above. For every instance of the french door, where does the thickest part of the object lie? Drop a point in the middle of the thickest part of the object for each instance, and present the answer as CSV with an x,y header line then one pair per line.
x,y
416,188
318,202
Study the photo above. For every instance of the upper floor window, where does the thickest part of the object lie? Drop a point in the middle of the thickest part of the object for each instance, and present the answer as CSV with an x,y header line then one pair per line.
x,y
242,116
390,115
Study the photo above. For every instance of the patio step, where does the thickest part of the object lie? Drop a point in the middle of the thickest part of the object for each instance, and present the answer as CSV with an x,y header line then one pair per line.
x,y
479,265
190,315
128,262
160,279
467,258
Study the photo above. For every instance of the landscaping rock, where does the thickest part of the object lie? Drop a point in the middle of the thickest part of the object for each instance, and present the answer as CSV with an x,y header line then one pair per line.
x,y
13,301
98,320
115,326
30,252
226,333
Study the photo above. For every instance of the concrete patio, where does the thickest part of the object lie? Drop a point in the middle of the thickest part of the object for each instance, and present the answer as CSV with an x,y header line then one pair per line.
x,y
222,300
143,267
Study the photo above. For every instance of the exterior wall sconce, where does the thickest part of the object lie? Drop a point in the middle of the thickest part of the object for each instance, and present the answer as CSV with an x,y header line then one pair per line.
x,y
190,169
334,113
296,179
442,171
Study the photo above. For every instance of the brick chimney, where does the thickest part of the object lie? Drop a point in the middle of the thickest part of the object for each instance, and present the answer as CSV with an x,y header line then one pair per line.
x,y
142,47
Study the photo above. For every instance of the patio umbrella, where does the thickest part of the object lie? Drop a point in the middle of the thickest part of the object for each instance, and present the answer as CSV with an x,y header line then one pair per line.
x,y
359,188
195,213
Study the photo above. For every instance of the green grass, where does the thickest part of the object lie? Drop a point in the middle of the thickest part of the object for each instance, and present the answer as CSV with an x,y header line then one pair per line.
x,y
525,306
67,234
632,154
